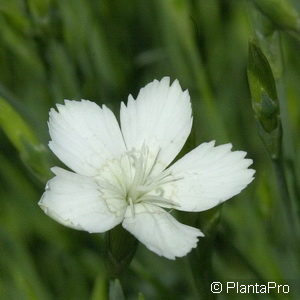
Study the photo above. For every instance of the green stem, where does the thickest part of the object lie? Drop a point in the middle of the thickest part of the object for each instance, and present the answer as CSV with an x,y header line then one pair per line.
x,y
200,259
200,263
287,203
295,183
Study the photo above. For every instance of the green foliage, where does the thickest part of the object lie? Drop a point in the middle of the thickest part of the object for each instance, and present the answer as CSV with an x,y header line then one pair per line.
x,y
31,151
104,50
115,290
281,13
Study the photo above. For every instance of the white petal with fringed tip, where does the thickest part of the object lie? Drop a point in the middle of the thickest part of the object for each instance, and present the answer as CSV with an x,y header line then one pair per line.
x,y
160,118
209,176
160,232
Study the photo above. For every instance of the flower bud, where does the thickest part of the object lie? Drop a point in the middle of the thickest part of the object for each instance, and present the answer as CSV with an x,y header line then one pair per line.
x,y
264,99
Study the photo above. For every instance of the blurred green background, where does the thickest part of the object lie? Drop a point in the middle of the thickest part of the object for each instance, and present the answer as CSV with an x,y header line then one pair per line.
x,y
52,50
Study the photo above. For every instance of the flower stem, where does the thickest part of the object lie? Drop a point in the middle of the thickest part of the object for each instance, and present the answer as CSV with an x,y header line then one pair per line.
x,y
284,192
200,263
200,259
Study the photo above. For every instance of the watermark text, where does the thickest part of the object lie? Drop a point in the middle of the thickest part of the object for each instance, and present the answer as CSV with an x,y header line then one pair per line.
x,y
235,287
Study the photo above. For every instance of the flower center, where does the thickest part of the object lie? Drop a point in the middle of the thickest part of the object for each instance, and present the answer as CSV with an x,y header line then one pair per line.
x,y
129,179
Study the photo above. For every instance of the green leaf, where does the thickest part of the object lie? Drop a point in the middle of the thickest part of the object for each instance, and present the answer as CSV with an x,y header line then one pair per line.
x,y
141,296
31,151
281,13
35,158
115,290
15,127
99,291
39,9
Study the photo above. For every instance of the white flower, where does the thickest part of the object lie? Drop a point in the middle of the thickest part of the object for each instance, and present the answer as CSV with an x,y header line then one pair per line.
x,y
121,174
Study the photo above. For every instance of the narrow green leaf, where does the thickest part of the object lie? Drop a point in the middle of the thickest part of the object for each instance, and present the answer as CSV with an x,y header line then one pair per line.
x,y
141,296
35,158
99,291
15,127
115,290
39,9
281,13
32,152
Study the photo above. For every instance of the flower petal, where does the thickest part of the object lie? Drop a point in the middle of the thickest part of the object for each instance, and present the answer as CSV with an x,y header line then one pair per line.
x,y
75,201
84,135
160,232
159,118
208,175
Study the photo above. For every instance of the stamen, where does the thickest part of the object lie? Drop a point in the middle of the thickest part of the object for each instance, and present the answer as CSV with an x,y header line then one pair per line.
x,y
159,200
128,178
131,207
154,163
158,182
